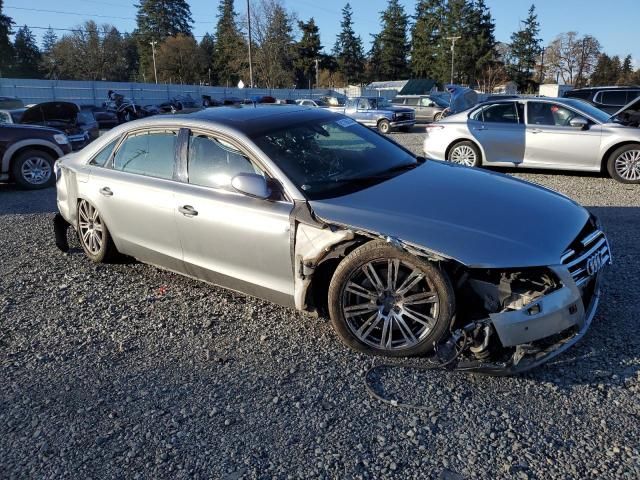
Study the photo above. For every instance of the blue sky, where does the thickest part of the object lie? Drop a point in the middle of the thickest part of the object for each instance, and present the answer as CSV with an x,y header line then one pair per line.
x,y
614,24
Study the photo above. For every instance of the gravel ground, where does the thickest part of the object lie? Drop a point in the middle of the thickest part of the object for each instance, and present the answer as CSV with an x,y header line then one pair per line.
x,y
120,371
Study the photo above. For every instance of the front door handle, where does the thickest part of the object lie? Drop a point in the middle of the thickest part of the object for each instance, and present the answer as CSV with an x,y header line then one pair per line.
x,y
106,191
536,130
188,211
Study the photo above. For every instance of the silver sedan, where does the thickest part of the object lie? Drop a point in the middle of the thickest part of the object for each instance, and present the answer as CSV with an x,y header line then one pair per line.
x,y
311,210
563,134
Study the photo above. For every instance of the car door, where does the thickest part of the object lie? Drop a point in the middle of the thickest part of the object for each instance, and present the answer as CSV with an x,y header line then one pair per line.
x,y
499,128
553,142
363,111
134,193
229,238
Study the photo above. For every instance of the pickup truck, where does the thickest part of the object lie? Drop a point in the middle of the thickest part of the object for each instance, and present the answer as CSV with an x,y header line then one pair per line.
x,y
379,112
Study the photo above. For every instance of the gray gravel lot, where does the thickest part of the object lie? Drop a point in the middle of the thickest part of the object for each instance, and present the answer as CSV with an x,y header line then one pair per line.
x,y
121,371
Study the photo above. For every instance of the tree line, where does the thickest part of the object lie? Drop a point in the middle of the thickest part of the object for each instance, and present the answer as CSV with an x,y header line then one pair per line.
x,y
287,52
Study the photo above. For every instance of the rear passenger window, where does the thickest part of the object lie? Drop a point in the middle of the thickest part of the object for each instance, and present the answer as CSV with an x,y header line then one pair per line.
x,y
497,113
613,97
413,102
103,156
149,153
214,162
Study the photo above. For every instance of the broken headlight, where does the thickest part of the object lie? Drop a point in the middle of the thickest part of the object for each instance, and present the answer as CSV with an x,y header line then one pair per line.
x,y
500,291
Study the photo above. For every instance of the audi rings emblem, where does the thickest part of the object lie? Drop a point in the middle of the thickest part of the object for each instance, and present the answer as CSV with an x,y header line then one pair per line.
x,y
594,264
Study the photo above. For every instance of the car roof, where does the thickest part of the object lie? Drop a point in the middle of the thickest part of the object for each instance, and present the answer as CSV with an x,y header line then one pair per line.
x,y
247,119
608,87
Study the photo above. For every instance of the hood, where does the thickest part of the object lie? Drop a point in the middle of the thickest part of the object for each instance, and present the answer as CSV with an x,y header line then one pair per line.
x,y
462,98
65,112
479,218
630,113
396,109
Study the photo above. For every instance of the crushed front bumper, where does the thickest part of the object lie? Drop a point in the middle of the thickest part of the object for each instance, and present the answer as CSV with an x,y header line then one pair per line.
x,y
556,321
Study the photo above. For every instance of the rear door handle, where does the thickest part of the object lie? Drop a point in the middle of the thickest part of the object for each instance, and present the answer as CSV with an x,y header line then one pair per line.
x,y
106,191
536,130
188,211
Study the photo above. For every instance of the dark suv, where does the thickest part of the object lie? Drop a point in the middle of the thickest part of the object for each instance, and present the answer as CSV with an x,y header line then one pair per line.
x,y
608,99
27,154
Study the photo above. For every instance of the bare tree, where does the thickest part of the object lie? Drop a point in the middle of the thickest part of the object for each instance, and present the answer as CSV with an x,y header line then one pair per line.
x,y
491,76
572,58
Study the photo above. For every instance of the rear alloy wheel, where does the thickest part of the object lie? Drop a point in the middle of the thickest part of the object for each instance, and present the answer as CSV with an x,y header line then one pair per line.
x,y
384,126
387,302
33,169
465,153
624,164
437,117
94,235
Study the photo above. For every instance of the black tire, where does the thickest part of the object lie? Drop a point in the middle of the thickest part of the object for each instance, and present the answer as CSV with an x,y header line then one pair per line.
x,y
384,126
107,250
437,117
405,129
464,145
33,169
624,164
345,282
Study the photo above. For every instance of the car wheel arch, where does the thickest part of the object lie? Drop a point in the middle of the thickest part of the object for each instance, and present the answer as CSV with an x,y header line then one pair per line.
x,y
464,139
611,150
14,154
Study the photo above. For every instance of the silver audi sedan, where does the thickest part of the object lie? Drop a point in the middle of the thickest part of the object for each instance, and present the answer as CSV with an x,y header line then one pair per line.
x,y
309,209
553,133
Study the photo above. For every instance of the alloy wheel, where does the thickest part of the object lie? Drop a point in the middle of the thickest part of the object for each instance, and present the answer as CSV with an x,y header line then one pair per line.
x,y
91,227
464,155
389,304
36,170
627,165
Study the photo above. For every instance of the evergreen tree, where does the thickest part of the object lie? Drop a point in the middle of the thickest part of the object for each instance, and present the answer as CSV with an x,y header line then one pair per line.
x,y
393,45
207,49
525,49
480,49
156,20
626,72
348,49
27,54
132,57
307,52
425,37
47,62
230,45
6,49
374,60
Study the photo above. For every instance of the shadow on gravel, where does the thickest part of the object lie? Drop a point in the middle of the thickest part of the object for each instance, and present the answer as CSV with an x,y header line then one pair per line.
x,y
545,171
14,201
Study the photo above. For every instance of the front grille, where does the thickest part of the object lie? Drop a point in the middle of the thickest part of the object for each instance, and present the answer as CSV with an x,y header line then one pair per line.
x,y
405,116
586,256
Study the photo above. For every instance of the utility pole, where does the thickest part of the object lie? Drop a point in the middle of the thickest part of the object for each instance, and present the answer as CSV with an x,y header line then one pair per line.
x,y
542,66
317,74
249,27
453,53
153,50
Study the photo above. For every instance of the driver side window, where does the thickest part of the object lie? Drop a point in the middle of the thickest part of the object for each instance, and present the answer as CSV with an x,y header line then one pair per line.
x,y
363,104
212,162
549,114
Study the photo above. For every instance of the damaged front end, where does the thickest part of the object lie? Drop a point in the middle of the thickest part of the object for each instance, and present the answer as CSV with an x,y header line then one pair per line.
x,y
511,321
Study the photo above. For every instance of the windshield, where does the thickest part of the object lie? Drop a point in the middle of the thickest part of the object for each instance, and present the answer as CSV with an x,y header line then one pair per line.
x,y
379,103
320,103
593,112
331,157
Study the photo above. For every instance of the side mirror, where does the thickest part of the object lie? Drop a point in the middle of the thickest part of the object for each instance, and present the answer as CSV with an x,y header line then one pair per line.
x,y
251,184
579,123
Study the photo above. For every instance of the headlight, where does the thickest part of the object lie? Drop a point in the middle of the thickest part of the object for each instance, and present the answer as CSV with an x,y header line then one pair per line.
x,y
61,139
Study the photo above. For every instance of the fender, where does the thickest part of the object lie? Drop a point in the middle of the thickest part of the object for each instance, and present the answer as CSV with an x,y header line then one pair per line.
x,y
31,142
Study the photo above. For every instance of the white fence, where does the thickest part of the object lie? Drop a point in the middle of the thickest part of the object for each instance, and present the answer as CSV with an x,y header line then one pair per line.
x,y
95,92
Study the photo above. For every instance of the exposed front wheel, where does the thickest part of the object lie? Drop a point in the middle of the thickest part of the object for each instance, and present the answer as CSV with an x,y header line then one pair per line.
x,y
384,126
465,153
437,117
385,301
33,169
624,164
93,233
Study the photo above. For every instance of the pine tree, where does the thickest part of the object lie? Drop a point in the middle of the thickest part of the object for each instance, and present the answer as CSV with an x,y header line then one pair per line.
x,y
230,45
156,20
49,40
27,54
207,48
374,60
47,62
480,29
6,49
626,72
525,49
348,49
425,36
307,52
394,47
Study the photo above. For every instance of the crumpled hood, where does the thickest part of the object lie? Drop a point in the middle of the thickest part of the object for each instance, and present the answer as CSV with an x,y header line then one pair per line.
x,y
480,218
44,113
